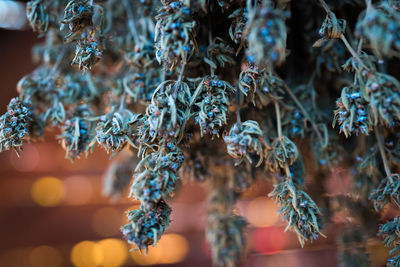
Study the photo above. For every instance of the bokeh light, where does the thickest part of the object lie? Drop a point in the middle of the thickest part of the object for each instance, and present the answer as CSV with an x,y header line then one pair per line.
x,y
107,221
87,254
48,191
45,256
262,212
114,251
171,248
78,190
26,161
268,240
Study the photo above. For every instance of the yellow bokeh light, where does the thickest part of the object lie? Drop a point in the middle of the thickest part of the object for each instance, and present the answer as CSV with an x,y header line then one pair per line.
x,y
45,256
87,254
107,221
171,248
262,212
48,191
115,252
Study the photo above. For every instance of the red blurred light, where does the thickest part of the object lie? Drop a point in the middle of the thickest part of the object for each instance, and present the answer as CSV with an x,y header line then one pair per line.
x,y
268,240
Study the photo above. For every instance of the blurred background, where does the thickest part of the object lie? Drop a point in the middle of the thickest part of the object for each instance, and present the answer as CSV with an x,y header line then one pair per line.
x,y
53,213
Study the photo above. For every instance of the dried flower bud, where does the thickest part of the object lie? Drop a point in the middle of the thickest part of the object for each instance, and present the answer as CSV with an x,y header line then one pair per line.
x,y
387,191
15,124
37,15
332,28
379,26
239,23
212,102
75,137
352,112
301,212
390,233
245,139
267,37
146,226
175,32
226,238
78,16
167,112
284,153
116,130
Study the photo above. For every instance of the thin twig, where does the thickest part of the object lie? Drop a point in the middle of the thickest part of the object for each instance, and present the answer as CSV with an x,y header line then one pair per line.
x,y
379,139
278,119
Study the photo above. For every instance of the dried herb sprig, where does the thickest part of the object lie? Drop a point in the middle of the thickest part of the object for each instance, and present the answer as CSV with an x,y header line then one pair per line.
x,y
244,139
15,124
146,226
390,233
301,212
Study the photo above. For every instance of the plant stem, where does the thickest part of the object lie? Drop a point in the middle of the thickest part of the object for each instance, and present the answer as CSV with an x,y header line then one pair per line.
x,y
305,113
278,119
131,22
379,139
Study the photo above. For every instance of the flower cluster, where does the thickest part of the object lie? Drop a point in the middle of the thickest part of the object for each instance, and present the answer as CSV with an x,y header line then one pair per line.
x,y
115,130
384,98
156,175
283,153
380,27
225,235
267,36
75,137
244,139
88,52
238,26
387,191
175,32
15,124
38,18
219,54
211,99
146,227
167,112
78,16
352,112
301,212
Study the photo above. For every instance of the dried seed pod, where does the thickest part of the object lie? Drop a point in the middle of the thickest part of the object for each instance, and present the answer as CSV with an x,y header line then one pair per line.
x,y
283,153
352,112
145,227
15,124
387,191
245,139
